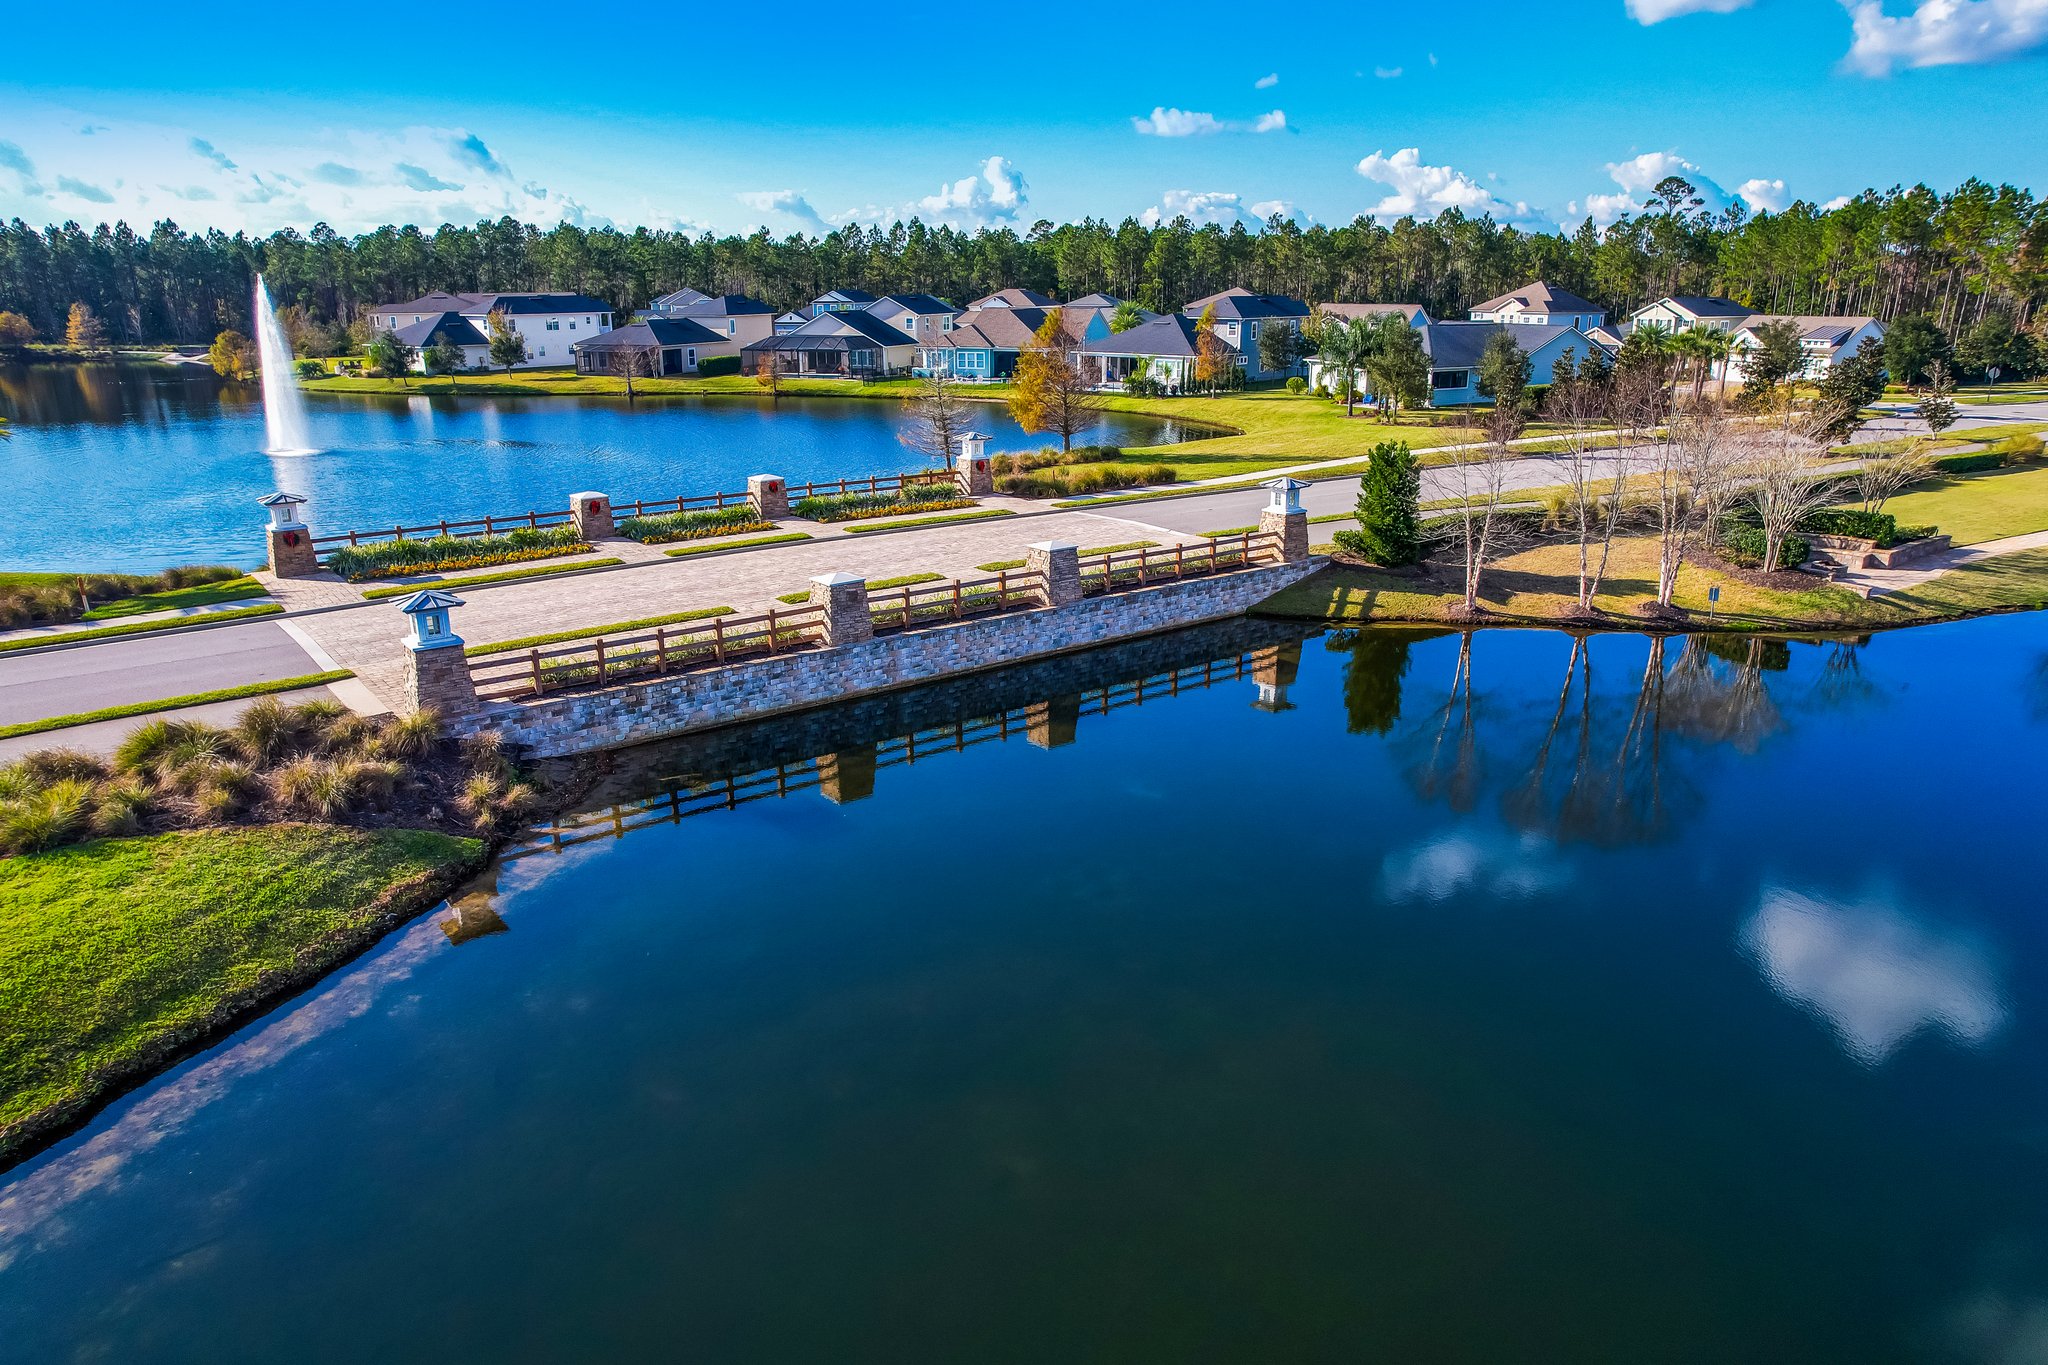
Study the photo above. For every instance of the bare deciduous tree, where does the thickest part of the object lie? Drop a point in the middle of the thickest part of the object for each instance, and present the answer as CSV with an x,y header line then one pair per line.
x,y
1778,481
938,417
1485,533
1596,477
1881,477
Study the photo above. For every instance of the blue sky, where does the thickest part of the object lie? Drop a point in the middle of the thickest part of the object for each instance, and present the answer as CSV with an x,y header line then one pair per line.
x,y
751,114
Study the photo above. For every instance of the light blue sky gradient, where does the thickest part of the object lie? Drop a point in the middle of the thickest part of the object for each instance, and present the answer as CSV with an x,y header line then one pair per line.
x,y
728,116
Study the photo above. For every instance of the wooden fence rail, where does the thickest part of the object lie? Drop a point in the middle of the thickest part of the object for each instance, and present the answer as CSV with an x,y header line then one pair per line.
x,y
661,507
479,526
956,599
874,483
1137,568
517,675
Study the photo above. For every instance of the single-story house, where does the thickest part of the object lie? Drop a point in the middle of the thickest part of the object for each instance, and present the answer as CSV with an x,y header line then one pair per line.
x,y
550,323
1162,349
659,345
919,316
835,345
1682,312
840,301
1824,341
446,329
739,319
983,344
1013,298
1454,349
1541,305
1241,317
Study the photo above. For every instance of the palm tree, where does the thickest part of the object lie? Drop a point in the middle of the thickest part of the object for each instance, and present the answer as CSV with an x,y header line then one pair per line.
x,y
1345,348
1701,348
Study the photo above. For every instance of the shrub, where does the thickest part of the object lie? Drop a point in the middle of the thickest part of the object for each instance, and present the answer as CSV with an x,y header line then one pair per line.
x,y
56,765
923,496
1388,496
1744,545
53,815
668,526
1966,464
413,736
311,369
1297,385
1059,483
121,808
1880,527
711,366
41,603
395,558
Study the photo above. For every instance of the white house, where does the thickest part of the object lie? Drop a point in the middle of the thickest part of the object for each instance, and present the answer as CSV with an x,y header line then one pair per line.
x,y
1683,312
550,323
1541,305
1824,341
446,329
1163,349
1242,317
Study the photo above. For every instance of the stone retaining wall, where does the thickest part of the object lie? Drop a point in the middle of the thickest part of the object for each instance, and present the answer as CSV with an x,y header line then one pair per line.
x,y
634,712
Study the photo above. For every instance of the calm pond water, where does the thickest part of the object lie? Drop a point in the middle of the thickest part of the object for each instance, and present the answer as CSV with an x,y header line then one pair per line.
x,y
1670,1002
163,463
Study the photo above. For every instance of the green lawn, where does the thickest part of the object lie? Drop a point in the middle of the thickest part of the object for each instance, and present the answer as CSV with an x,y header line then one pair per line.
x,y
210,618
1973,508
110,949
176,599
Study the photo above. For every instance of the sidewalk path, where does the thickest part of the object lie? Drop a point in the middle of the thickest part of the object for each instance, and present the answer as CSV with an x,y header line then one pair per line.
x,y
104,736
1875,582
54,634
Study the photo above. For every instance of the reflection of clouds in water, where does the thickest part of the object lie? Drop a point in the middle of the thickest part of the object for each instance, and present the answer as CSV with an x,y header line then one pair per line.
x,y
1502,864
32,1209
1874,972
1997,1328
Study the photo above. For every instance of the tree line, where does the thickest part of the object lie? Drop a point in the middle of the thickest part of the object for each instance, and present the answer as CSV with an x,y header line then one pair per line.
x,y
1975,252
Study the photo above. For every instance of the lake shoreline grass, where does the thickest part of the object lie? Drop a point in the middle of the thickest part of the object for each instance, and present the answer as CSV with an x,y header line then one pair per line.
x,y
316,896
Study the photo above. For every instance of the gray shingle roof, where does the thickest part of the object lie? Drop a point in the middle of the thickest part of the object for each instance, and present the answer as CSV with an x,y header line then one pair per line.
x,y
1242,305
1171,335
854,324
996,329
451,329
1458,345
910,303
652,332
1708,306
721,306
1013,298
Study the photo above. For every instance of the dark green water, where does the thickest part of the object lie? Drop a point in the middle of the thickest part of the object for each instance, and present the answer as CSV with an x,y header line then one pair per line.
x,y
1663,1003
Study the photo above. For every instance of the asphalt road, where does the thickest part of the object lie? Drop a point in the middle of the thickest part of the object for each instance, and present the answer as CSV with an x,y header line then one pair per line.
x,y
147,668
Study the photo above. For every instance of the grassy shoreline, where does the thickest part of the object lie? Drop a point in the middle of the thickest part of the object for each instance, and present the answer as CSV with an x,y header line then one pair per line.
x,y
121,957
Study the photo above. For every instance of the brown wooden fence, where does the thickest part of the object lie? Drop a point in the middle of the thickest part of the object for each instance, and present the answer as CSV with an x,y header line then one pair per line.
x,y
1123,569
518,675
928,604
874,483
661,507
479,526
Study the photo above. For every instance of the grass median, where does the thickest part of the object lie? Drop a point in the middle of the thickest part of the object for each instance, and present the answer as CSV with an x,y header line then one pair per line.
x,y
210,618
713,547
983,515
143,708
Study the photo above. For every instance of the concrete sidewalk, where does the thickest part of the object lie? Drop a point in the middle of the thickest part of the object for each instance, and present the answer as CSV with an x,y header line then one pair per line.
x,y
1877,582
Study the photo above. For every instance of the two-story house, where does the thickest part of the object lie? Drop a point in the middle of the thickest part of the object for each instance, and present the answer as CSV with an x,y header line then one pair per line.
x,y
918,316
1541,305
550,323
1242,317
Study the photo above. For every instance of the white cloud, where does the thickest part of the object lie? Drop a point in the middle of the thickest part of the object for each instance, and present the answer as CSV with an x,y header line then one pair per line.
x,y
1165,122
788,203
421,179
1657,11
1198,207
1943,33
1387,73
1876,973
1266,208
1266,82
1840,201
994,195
1423,190
1494,863
1763,195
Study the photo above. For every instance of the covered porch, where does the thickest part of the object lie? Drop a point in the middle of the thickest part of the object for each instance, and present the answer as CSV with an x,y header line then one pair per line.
x,y
815,357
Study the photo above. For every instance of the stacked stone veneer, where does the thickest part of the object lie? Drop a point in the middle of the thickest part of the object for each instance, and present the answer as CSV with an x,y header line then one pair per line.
x,y
632,712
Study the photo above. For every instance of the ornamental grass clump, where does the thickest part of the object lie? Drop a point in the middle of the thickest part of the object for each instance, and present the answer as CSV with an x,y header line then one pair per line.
x,y
436,554
671,526
316,762
68,597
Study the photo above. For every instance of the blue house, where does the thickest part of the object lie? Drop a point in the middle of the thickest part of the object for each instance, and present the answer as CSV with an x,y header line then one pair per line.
x,y
1454,349
983,344
840,301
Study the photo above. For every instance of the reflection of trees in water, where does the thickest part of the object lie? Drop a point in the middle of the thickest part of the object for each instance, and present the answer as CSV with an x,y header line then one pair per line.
x,y
1449,766
1716,691
1376,663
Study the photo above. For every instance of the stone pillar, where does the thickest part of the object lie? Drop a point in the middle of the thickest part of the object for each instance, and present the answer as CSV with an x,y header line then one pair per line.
x,y
844,597
593,515
1058,566
769,495
436,670
290,549
848,775
974,472
288,541
1053,722
1286,520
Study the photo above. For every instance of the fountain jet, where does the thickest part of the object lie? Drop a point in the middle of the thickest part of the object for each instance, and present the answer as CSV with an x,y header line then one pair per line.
x,y
284,407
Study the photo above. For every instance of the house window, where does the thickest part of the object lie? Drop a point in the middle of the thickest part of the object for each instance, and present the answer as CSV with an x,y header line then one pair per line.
x,y
1449,379
542,351
572,324
690,357
554,325
731,326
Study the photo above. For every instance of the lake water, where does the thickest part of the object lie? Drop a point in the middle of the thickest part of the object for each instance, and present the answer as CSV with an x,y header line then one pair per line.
x,y
1397,997
148,465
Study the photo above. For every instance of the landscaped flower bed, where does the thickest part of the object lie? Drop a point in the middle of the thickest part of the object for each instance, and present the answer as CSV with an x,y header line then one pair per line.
x,y
670,526
396,558
916,497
